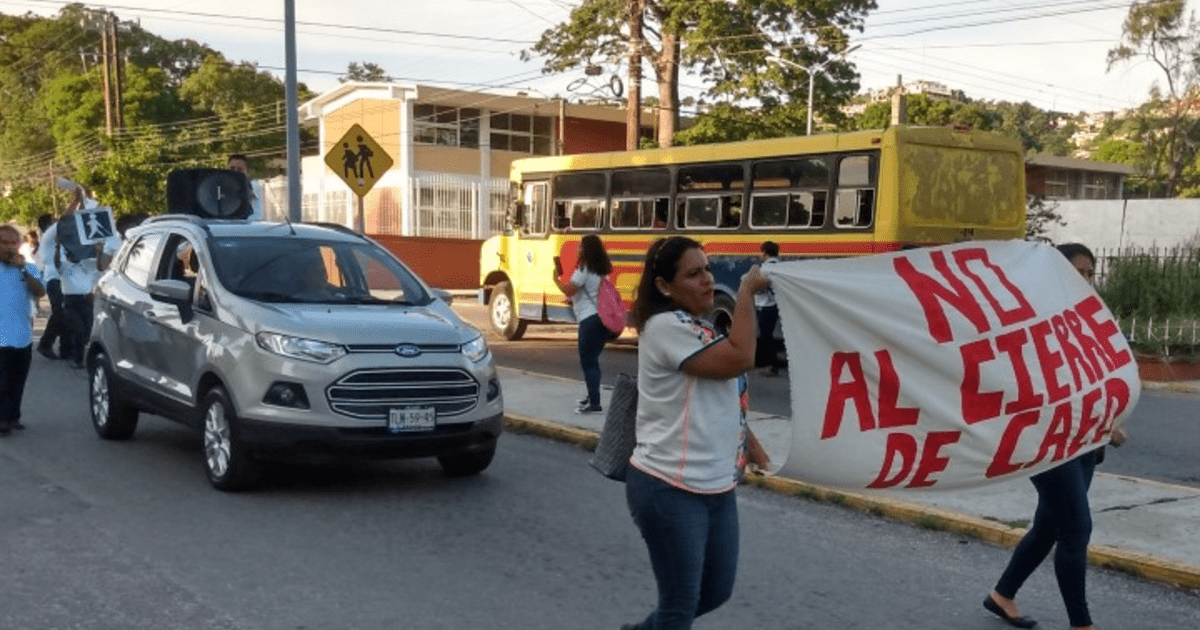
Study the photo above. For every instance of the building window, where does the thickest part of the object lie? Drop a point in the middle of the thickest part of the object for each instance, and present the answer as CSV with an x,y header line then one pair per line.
x,y
1058,185
446,126
460,127
522,133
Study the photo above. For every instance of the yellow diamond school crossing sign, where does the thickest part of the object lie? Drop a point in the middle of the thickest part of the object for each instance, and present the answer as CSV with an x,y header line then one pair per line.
x,y
358,160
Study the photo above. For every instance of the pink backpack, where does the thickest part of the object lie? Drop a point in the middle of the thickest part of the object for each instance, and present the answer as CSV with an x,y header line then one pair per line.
x,y
610,307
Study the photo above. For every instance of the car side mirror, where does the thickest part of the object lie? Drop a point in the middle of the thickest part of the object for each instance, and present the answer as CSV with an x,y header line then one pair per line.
x,y
176,292
444,296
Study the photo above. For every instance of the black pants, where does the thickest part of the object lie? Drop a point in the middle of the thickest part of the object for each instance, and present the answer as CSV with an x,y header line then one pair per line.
x,y
54,325
77,326
766,353
14,369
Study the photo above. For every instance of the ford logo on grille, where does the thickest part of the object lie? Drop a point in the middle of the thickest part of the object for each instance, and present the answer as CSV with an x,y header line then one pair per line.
x,y
408,350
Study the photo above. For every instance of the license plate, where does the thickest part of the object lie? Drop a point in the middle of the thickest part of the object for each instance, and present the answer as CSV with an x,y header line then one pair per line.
x,y
411,419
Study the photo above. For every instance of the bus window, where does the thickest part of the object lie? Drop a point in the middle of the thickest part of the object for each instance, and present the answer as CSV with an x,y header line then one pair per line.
x,y
792,210
585,213
710,196
641,198
536,208
855,202
578,200
632,214
711,211
789,193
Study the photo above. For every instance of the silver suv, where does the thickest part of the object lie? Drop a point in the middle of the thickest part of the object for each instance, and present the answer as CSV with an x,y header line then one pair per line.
x,y
287,341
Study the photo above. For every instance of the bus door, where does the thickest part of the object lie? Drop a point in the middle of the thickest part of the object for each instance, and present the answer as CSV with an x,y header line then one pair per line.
x,y
529,263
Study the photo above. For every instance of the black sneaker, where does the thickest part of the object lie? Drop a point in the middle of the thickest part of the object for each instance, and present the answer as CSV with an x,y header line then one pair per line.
x,y
583,409
16,424
48,353
78,364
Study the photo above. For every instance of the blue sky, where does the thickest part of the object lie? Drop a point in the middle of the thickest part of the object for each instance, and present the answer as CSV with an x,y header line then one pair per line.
x,y
1048,52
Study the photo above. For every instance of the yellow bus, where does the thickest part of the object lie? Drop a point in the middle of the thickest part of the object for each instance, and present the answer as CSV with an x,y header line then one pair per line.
x,y
846,194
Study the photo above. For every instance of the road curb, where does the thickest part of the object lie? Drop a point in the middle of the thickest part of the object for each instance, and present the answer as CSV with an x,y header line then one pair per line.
x,y
1145,566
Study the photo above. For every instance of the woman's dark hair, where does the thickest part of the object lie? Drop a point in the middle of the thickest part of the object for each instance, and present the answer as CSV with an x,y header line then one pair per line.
x,y
1071,250
662,261
593,256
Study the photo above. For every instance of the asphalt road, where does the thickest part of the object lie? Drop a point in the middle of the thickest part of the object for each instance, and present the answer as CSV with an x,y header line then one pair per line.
x,y
128,535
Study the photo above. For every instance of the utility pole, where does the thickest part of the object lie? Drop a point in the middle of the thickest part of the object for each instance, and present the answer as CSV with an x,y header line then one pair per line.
x,y
633,104
899,103
108,112
117,72
111,72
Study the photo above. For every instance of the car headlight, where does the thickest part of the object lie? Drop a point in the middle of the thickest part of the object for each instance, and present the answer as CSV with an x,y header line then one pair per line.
x,y
476,349
299,348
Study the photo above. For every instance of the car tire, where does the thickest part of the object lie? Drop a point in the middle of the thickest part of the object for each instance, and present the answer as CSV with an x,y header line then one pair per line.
x,y
227,460
112,417
502,313
467,464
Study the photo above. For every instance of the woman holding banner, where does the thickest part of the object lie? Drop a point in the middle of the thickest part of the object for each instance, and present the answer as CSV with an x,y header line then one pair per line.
x,y
690,431
1063,518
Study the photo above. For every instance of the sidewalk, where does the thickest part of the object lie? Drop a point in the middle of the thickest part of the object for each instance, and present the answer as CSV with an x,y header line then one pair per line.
x,y
1142,527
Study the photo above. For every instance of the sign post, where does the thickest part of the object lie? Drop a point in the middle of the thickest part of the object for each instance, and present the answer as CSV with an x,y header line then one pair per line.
x,y
360,162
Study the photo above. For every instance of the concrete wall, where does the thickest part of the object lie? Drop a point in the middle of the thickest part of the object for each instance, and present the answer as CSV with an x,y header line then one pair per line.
x,y
445,263
1105,224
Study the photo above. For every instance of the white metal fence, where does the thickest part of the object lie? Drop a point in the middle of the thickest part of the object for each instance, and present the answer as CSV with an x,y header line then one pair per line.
x,y
444,206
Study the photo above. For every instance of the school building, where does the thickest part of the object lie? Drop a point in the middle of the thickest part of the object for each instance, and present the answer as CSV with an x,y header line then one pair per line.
x,y
447,187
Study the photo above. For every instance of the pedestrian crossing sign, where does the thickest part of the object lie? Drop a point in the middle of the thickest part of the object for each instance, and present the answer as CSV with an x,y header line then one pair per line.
x,y
358,160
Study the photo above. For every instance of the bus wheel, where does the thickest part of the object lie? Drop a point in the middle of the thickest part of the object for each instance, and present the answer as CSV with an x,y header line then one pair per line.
x,y
722,313
502,311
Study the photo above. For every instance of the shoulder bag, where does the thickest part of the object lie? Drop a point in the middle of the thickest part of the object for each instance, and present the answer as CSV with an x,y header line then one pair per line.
x,y
618,436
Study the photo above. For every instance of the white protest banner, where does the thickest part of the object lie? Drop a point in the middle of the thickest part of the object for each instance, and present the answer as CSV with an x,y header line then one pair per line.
x,y
947,367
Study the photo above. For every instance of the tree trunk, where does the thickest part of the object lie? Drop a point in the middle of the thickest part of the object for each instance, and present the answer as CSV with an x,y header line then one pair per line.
x,y
666,66
633,106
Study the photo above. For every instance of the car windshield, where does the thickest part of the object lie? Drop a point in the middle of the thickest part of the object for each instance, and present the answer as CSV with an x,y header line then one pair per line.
x,y
300,270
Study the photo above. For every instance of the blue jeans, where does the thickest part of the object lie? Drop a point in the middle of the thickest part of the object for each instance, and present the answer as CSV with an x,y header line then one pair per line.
x,y
592,336
1063,517
693,543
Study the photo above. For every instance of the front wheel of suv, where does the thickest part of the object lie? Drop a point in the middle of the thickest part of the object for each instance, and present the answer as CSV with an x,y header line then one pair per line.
x,y
229,464
468,463
112,417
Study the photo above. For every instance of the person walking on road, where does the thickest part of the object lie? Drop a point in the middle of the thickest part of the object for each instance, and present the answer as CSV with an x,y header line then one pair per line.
x,y
767,352
1063,517
583,287
692,437
47,249
19,282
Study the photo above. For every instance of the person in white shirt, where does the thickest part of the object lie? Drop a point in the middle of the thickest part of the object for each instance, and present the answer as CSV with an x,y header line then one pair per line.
x,y
692,436
583,288
767,352
47,249
78,276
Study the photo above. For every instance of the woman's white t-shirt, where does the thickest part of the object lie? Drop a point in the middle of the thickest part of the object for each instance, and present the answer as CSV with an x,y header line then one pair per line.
x,y
689,429
583,303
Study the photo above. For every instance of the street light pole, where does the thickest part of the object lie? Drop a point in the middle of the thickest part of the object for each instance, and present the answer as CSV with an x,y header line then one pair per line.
x,y
810,100
812,71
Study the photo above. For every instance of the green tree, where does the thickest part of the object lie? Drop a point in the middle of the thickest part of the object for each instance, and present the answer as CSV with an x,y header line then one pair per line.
x,y
1121,151
728,45
1159,31
1040,214
365,72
